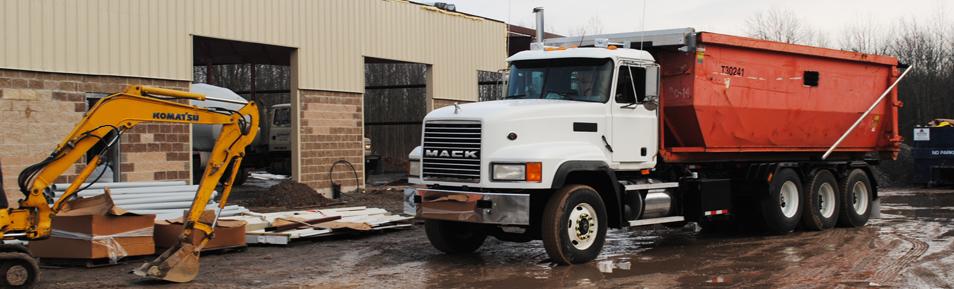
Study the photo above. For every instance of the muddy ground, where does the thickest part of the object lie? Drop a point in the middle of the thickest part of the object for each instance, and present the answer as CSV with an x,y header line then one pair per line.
x,y
909,247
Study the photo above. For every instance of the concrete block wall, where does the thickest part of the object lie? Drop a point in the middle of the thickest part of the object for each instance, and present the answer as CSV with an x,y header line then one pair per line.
x,y
38,110
331,130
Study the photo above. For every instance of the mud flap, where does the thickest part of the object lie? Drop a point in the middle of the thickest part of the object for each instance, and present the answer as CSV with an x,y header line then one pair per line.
x,y
706,198
876,209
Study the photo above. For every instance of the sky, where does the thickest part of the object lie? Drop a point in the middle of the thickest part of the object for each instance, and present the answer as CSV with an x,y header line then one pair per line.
x,y
722,16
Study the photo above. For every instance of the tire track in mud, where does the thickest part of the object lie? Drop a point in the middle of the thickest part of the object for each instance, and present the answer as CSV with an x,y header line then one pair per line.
x,y
810,252
930,270
896,266
819,268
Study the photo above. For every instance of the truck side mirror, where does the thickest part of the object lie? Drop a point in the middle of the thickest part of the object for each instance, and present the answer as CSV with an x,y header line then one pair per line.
x,y
652,87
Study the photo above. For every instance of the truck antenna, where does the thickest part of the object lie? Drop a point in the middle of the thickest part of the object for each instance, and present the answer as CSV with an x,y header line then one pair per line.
x,y
642,34
581,38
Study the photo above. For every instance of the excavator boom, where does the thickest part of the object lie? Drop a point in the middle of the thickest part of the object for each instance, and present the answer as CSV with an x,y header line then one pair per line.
x,y
103,125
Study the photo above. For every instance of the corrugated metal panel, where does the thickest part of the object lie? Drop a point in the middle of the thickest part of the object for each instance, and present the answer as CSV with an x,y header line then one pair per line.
x,y
152,38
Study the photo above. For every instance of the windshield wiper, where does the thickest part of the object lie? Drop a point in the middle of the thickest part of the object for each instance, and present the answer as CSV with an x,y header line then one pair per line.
x,y
516,96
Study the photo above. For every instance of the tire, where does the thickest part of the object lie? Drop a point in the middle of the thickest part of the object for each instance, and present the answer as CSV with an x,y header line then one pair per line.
x,y
781,208
576,241
856,197
242,176
823,199
18,270
454,237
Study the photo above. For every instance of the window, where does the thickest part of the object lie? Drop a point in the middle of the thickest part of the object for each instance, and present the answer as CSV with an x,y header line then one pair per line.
x,y
810,78
110,168
575,79
631,84
282,117
490,85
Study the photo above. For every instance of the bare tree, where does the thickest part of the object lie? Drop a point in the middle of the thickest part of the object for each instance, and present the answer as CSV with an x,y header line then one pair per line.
x,y
778,25
819,38
864,36
593,26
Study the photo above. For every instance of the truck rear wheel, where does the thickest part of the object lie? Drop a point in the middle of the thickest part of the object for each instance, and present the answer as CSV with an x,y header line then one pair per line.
x,y
454,237
822,200
574,225
782,206
856,195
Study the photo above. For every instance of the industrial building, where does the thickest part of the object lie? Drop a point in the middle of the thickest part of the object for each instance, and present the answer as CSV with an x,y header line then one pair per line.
x,y
59,57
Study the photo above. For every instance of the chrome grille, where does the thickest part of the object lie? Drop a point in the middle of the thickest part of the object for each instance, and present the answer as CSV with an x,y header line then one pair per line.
x,y
452,151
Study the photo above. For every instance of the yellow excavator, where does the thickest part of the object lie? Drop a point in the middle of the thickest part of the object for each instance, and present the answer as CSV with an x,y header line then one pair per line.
x,y
101,127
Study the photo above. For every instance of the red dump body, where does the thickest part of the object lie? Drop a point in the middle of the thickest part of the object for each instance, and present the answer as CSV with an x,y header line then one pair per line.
x,y
739,98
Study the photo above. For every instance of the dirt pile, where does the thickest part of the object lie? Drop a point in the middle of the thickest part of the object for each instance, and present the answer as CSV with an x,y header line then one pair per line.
x,y
390,198
896,173
290,194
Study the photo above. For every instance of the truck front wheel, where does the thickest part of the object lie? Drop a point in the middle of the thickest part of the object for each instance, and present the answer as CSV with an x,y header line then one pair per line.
x,y
574,225
782,206
454,237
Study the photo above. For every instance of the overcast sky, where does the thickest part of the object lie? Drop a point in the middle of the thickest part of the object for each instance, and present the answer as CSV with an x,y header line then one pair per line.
x,y
723,16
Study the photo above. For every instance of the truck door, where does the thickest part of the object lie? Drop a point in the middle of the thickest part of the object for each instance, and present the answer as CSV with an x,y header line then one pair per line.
x,y
635,125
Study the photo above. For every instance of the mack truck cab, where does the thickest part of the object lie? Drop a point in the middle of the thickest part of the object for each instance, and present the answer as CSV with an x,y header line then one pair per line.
x,y
585,141
541,163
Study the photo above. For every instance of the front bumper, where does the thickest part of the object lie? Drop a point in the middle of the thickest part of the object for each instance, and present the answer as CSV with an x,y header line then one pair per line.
x,y
464,206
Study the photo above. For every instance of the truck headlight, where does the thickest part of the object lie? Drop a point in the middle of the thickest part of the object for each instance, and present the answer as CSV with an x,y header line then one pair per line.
x,y
530,172
414,168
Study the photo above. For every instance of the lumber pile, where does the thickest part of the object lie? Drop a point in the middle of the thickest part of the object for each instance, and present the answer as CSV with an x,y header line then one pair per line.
x,y
281,228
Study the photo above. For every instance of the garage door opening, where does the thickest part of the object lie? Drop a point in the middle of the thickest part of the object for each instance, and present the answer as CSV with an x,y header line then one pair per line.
x,y
259,73
395,102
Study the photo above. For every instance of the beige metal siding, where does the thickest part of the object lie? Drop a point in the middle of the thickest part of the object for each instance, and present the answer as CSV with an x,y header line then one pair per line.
x,y
152,38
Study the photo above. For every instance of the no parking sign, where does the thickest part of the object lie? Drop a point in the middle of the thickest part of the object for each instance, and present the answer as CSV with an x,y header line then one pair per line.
x,y
922,134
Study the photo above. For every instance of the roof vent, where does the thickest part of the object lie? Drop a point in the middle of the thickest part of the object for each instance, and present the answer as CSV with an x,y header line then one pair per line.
x,y
445,6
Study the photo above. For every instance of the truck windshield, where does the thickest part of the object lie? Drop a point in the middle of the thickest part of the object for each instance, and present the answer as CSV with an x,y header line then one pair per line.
x,y
282,117
580,79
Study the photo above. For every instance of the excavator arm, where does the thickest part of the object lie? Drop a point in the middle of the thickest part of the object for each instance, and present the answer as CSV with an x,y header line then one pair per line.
x,y
104,124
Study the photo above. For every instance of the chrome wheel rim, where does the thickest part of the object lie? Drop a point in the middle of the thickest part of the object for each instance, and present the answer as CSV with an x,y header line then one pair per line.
x,y
859,197
583,226
826,200
788,199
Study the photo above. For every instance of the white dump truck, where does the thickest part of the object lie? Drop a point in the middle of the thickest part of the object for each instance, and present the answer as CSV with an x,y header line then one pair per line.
x,y
695,127
271,149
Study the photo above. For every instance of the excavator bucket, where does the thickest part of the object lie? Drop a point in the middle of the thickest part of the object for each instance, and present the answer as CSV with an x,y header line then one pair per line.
x,y
178,264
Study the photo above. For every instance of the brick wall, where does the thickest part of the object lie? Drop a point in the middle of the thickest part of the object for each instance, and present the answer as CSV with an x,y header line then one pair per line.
x,y
331,130
38,109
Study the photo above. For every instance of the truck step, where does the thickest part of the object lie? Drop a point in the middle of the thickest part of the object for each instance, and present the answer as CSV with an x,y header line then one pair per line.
x,y
656,221
654,186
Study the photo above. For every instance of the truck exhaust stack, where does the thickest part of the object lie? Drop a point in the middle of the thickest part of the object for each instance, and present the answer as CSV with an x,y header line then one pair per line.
x,y
539,14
